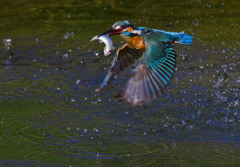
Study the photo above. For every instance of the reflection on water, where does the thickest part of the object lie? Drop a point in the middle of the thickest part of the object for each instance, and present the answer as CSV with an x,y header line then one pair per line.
x,y
50,115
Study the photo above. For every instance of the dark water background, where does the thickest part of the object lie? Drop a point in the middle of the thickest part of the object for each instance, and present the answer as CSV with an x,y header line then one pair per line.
x,y
49,115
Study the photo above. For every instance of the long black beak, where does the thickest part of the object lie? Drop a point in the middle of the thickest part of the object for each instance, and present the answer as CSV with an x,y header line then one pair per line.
x,y
111,32
108,32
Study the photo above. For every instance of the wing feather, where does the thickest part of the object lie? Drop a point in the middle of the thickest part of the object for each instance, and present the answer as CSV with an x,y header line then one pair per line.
x,y
125,56
152,75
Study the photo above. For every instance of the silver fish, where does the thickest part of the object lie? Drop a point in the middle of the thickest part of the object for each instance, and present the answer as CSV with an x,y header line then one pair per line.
x,y
108,43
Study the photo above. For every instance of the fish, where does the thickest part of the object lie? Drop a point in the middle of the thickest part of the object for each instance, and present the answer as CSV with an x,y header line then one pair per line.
x,y
108,43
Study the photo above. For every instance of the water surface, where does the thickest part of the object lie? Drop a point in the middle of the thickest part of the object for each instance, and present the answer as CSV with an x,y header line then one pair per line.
x,y
50,115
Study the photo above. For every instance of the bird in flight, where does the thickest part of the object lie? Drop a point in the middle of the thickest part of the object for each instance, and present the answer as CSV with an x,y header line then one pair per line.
x,y
152,52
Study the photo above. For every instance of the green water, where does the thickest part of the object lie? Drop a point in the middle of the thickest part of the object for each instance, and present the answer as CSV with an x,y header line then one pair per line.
x,y
50,115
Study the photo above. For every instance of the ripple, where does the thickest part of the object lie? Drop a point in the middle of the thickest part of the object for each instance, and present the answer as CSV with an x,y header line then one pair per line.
x,y
13,163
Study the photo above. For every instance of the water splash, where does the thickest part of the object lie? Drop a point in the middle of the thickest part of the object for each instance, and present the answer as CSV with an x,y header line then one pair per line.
x,y
7,42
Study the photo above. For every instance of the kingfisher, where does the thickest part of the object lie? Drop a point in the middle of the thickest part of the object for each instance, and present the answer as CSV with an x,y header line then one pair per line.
x,y
153,55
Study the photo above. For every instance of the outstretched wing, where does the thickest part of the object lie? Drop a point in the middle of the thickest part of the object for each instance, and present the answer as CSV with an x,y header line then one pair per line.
x,y
165,36
153,74
125,55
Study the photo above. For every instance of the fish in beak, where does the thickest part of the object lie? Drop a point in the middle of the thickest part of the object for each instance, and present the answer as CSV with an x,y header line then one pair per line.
x,y
108,43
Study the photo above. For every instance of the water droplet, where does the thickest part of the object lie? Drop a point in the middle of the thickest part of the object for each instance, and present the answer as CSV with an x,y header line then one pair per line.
x,y
235,103
98,155
190,127
65,56
238,80
66,36
7,42
78,81
183,122
72,34
218,82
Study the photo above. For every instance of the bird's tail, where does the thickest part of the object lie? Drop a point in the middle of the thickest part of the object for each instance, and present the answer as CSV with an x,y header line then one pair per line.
x,y
183,38
180,37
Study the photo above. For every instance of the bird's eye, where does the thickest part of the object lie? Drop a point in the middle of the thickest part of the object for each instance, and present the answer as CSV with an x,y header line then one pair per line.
x,y
118,28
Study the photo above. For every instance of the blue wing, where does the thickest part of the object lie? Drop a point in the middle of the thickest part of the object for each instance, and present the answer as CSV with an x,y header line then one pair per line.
x,y
166,36
154,73
124,56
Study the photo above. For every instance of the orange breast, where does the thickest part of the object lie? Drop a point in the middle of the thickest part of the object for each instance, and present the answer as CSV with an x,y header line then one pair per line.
x,y
136,42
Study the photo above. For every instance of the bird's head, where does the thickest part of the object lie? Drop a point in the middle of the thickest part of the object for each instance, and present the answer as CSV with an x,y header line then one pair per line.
x,y
120,27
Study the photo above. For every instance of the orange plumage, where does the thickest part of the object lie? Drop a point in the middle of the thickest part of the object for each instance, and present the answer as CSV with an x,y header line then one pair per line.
x,y
135,41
